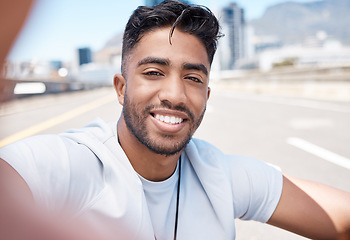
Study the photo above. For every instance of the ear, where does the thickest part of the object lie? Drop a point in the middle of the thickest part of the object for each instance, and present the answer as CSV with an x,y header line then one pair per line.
x,y
209,90
119,86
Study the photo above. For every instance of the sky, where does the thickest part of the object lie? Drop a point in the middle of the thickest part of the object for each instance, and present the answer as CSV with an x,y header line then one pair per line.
x,y
56,28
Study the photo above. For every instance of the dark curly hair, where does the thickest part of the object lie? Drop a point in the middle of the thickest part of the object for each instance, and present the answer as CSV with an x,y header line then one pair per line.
x,y
193,19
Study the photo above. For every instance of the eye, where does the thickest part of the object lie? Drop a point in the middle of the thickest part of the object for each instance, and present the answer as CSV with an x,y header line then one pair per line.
x,y
194,79
152,73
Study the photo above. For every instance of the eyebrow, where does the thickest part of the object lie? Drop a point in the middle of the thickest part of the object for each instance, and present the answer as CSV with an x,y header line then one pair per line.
x,y
166,62
193,66
154,60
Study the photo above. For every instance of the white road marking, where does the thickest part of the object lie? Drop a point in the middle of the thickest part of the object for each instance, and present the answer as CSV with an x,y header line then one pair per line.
x,y
319,152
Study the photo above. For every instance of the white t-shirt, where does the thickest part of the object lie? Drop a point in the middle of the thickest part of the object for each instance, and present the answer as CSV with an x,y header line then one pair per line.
x,y
162,203
88,169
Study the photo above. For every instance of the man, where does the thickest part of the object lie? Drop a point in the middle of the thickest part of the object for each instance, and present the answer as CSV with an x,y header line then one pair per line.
x,y
145,176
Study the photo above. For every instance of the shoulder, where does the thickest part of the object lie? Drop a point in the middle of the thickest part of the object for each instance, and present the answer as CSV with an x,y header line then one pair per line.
x,y
233,165
97,130
49,147
210,153
34,147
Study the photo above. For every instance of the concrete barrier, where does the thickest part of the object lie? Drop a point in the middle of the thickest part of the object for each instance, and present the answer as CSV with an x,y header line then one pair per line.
x,y
326,84
8,88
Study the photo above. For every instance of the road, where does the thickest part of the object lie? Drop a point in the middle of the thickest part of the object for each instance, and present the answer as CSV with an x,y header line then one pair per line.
x,y
305,138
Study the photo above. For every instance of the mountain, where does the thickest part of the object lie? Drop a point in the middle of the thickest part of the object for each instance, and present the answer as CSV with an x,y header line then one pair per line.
x,y
293,22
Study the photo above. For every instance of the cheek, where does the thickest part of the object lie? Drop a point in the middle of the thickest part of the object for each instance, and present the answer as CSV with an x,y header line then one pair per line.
x,y
199,100
142,90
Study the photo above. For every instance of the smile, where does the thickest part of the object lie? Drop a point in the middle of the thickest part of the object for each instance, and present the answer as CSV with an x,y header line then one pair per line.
x,y
169,119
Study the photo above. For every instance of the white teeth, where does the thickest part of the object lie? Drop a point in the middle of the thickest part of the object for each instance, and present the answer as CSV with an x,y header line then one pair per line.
x,y
169,119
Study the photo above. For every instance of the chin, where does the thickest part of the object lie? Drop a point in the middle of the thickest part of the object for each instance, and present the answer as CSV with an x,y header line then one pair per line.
x,y
167,147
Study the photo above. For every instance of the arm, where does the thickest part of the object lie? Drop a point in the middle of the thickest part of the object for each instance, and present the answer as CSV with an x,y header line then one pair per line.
x,y
313,210
14,201
21,219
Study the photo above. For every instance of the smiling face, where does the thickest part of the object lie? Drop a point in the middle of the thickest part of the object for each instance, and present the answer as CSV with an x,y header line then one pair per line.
x,y
166,90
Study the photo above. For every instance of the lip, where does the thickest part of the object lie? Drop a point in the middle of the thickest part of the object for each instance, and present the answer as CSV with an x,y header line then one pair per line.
x,y
166,127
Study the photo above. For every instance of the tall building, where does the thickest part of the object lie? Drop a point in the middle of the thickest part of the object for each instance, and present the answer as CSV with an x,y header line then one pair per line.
x,y
151,3
56,64
84,55
233,44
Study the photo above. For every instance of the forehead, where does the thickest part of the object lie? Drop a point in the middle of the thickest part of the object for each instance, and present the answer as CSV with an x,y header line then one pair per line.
x,y
181,48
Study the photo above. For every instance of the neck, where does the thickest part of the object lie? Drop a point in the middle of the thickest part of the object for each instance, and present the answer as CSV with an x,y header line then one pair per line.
x,y
150,165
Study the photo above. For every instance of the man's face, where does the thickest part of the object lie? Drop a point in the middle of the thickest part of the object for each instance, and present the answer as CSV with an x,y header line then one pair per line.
x,y
166,90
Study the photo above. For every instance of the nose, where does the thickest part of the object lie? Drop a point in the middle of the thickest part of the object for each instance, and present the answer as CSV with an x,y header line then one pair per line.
x,y
173,90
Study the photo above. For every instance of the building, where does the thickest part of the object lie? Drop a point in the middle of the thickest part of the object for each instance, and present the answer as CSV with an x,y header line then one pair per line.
x,y
84,55
56,64
232,46
331,54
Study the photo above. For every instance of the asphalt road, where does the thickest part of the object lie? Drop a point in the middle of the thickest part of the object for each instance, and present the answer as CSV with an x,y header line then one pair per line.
x,y
305,138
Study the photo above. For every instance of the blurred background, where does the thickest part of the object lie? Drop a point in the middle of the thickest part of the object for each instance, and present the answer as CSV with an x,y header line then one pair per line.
x,y
280,81
77,44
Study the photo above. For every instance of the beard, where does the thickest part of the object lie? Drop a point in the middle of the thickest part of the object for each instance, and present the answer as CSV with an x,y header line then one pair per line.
x,y
135,119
